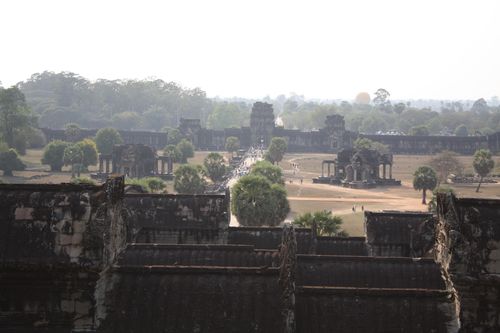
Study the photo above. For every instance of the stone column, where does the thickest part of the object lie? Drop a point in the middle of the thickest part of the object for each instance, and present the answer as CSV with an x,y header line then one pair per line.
x,y
170,166
390,171
322,169
384,170
162,167
328,169
107,165
100,164
355,174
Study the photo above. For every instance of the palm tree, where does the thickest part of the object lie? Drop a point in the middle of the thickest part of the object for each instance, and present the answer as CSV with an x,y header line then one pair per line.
x,y
326,223
424,179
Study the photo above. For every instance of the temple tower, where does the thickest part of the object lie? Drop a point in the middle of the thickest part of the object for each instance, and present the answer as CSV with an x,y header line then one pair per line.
x,y
335,129
261,123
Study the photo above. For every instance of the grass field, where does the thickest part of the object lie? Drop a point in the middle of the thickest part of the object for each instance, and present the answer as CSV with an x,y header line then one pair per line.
x,y
306,196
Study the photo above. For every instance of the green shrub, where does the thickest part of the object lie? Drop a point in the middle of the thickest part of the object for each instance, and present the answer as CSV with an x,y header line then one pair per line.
x,y
142,182
155,184
83,180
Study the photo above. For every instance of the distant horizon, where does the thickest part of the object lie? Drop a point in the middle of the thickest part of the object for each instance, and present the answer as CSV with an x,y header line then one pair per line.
x,y
288,95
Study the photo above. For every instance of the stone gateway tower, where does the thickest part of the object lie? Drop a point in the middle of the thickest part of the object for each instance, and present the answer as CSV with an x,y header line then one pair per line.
x,y
335,132
261,124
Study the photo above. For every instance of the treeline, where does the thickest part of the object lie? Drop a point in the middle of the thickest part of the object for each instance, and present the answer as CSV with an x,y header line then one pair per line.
x,y
61,98
57,99
384,116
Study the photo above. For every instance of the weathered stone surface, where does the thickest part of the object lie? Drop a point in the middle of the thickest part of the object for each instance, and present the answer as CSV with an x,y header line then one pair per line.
x,y
76,266
468,233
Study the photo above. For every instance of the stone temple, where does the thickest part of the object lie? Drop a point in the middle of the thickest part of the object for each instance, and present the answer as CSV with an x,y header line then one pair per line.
x,y
330,139
83,258
358,168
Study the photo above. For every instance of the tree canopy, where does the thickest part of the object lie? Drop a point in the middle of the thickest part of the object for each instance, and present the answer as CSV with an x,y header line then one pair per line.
x,y
9,161
215,166
106,138
483,164
186,148
446,163
173,152
325,222
276,150
65,97
255,201
272,173
89,150
53,154
424,179
232,144
15,118
189,179
365,143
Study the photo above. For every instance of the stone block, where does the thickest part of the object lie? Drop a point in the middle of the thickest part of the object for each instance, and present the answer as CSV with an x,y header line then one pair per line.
x,y
75,252
24,213
79,226
83,308
77,238
65,239
68,305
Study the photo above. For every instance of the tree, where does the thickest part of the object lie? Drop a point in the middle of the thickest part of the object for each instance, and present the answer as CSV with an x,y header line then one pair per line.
x,y
172,152
106,138
424,179
480,106
72,132
14,114
461,130
276,150
228,114
156,184
446,163
174,136
9,161
420,130
399,108
126,120
381,96
256,202
326,223
232,144
189,180
365,143
73,155
483,164
271,172
89,150
186,149
53,154
214,166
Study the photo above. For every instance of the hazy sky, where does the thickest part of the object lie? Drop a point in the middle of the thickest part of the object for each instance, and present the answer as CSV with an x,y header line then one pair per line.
x,y
320,49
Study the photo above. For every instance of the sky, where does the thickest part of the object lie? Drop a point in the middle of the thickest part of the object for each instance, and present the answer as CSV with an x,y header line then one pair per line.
x,y
438,49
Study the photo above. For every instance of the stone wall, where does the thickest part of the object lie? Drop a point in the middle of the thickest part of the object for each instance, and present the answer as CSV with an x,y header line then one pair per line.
x,y
468,248
54,240
368,272
399,234
329,139
176,219
346,310
192,299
